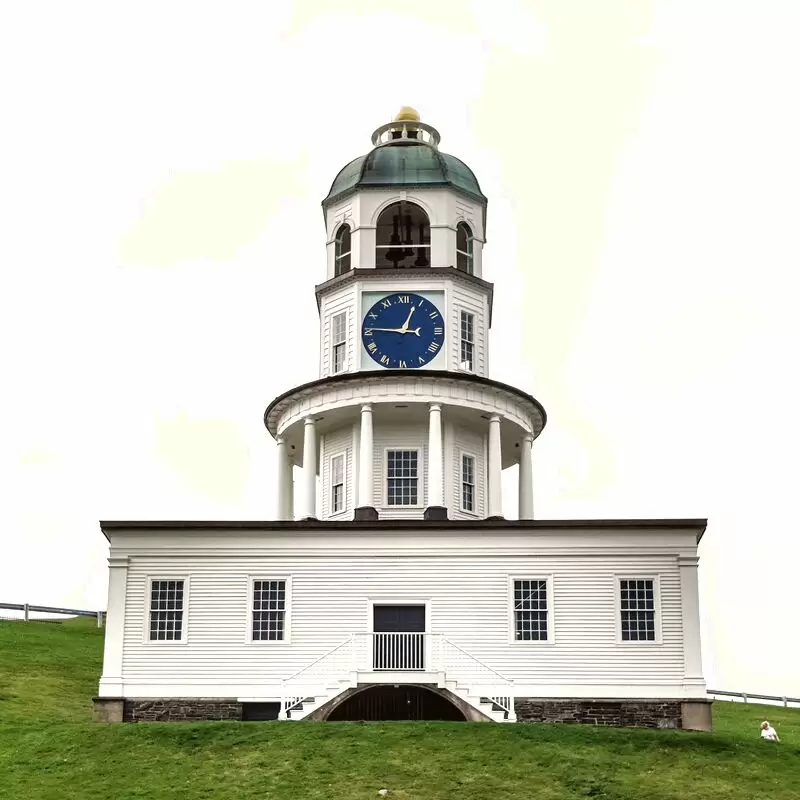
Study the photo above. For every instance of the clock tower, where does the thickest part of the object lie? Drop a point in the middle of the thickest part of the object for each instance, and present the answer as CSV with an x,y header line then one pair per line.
x,y
404,421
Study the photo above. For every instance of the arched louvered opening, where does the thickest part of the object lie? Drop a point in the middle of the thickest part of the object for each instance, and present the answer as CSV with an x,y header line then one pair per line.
x,y
388,702
403,237
464,249
342,252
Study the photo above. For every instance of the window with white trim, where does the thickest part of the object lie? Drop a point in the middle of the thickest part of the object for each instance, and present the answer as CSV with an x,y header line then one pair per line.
x,y
637,608
342,252
269,610
337,484
166,610
402,477
467,353
530,610
338,342
467,482
464,248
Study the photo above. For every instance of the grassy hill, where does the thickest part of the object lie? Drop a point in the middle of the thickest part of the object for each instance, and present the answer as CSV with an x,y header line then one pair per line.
x,y
50,749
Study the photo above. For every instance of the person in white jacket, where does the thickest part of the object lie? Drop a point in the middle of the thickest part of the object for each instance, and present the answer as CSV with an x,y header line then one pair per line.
x,y
768,732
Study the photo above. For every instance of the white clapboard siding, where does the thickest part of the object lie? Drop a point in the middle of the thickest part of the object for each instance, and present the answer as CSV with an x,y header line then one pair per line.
x,y
332,444
471,300
467,442
400,437
470,601
336,303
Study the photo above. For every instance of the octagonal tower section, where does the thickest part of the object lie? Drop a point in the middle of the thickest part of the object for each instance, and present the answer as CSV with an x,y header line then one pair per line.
x,y
404,421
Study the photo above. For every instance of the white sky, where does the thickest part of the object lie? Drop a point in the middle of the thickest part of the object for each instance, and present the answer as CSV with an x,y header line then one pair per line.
x,y
161,169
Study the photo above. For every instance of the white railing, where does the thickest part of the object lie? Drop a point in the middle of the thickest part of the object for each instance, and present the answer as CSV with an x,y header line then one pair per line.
x,y
26,609
398,652
464,667
313,679
771,699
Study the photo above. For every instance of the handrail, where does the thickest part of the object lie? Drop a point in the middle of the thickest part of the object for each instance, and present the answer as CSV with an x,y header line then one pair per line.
x,y
290,702
314,663
478,661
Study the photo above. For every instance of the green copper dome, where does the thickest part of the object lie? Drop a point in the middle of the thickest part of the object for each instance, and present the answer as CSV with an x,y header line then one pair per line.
x,y
409,164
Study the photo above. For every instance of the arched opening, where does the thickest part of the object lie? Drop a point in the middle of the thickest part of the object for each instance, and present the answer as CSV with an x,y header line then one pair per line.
x,y
403,237
342,252
464,254
388,702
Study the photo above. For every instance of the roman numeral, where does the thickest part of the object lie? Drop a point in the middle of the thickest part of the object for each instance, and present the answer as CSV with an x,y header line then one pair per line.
x,y
372,347
433,347
403,298
386,303
438,331
403,365
433,314
420,359
384,359
367,331
372,316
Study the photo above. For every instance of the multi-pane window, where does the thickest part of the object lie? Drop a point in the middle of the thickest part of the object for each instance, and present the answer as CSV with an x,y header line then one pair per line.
x,y
530,610
337,484
464,255
166,611
467,359
339,341
269,610
467,482
637,610
342,253
402,476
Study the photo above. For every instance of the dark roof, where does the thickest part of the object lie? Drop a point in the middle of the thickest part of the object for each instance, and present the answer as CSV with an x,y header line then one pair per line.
x,y
407,524
414,164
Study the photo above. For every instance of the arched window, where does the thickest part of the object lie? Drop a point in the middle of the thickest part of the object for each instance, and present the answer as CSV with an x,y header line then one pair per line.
x,y
342,253
403,237
464,258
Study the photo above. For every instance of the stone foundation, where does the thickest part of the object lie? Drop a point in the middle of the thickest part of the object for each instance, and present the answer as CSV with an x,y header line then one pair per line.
x,y
615,713
187,709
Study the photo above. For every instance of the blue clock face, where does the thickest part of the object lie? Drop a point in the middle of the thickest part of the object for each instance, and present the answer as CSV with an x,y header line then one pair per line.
x,y
403,331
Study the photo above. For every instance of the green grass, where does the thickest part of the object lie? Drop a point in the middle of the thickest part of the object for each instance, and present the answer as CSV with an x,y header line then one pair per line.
x,y
50,749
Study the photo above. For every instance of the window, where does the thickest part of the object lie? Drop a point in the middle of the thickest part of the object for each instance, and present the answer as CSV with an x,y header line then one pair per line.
x,y
467,482
467,355
339,342
342,251
166,611
403,237
464,258
637,610
530,610
402,477
269,610
337,483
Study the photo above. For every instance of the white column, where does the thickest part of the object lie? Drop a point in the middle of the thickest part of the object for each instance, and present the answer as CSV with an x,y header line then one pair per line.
x,y
525,478
690,611
366,497
291,489
495,468
111,680
435,457
308,498
284,480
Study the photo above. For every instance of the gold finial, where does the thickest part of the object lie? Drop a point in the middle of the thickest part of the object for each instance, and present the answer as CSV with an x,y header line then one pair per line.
x,y
407,114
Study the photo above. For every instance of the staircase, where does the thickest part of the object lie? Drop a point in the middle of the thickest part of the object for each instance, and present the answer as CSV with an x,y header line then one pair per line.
x,y
397,658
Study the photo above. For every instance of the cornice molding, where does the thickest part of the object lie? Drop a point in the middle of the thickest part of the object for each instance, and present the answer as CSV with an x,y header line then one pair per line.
x,y
403,274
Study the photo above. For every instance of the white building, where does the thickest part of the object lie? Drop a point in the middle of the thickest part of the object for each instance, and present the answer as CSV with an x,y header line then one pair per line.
x,y
391,585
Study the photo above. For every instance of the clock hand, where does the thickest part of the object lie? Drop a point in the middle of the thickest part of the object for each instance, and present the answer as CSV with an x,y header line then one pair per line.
x,y
406,323
388,330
